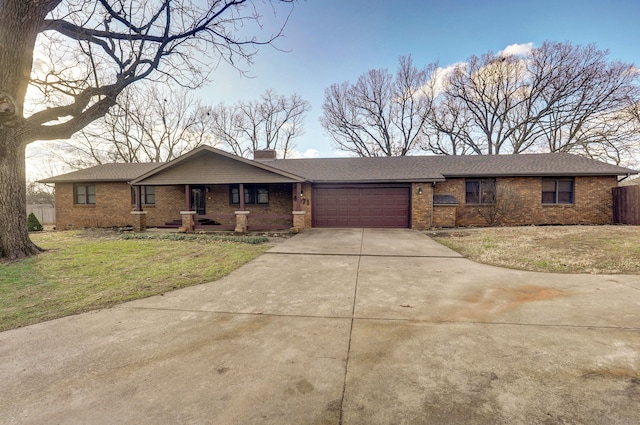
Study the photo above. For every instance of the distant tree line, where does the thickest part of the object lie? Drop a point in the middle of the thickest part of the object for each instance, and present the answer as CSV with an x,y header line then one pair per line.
x,y
157,123
556,98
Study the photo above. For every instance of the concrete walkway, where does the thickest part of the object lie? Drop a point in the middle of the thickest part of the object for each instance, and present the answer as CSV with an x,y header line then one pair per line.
x,y
341,327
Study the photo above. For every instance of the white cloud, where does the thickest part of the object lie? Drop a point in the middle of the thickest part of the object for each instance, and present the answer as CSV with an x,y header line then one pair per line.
x,y
311,153
436,84
343,154
295,154
517,49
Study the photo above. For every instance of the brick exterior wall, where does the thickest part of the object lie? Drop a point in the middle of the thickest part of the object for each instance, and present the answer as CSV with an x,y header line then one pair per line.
x,y
305,203
421,205
114,205
219,200
592,202
592,196
169,202
444,216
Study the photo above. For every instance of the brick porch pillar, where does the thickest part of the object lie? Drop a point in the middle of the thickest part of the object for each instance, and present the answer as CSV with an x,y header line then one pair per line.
x,y
139,221
242,220
187,221
298,221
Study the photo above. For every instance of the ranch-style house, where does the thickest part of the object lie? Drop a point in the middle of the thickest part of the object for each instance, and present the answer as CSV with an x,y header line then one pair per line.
x,y
211,189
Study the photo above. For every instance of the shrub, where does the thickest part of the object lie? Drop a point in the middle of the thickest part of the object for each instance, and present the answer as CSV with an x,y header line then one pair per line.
x,y
33,223
254,240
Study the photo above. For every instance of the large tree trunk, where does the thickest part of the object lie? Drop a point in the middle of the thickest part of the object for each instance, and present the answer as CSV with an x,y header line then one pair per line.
x,y
19,27
14,238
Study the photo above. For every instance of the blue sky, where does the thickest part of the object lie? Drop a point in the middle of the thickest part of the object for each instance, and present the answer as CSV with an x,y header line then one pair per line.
x,y
332,41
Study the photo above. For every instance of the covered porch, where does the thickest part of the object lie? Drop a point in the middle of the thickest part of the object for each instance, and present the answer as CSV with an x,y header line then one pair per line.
x,y
240,207
223,192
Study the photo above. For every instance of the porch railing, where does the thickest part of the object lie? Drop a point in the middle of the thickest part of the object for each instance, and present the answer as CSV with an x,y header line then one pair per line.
x,y
215,221
256,221
269,221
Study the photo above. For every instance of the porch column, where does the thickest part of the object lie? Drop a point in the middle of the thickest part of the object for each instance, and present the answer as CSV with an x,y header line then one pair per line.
x,y
242,221
138,198
187,221
298,221
187,197
241,194
139,221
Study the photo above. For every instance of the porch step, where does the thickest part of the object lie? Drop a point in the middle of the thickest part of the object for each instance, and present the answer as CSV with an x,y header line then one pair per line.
x,y
174,224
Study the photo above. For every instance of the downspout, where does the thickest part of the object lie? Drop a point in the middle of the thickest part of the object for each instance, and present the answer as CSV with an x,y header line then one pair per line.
x,y
433,186
624,178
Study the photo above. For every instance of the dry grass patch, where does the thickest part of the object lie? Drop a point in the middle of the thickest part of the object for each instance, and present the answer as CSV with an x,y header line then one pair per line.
x,y
563,249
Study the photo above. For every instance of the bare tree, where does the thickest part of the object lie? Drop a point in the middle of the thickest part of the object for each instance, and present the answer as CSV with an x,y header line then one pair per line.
x,y
272,122
381,114
79,55
492,90
586,108
448,128
40,193
506,201
559,97
150,123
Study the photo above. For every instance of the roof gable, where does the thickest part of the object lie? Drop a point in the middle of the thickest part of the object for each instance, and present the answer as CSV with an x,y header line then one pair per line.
x,y
207,165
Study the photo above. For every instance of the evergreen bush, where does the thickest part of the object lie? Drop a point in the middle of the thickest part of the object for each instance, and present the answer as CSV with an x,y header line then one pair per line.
x,y
33,223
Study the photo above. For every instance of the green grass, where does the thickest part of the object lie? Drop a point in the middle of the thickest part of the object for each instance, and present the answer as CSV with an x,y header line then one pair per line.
x,y
83,271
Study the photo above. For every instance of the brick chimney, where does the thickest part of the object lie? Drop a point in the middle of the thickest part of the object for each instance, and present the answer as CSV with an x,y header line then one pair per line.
x,y
264,155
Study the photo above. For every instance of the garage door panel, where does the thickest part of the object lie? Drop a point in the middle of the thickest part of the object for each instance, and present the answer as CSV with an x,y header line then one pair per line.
x,y
361,206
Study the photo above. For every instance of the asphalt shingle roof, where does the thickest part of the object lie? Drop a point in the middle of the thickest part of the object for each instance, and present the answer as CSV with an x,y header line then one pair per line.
x,y
379,169
105,173
391,169
433,168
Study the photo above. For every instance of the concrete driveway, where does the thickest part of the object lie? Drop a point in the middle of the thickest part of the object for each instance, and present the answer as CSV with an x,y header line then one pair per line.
x,y
341,327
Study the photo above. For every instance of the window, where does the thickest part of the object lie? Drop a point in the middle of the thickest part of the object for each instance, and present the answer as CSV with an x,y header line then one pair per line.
x,y
480,191
253,194
557,191
84,194
148,195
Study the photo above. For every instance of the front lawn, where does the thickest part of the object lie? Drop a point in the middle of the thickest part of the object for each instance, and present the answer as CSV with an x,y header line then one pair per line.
x,y
563,249
87,270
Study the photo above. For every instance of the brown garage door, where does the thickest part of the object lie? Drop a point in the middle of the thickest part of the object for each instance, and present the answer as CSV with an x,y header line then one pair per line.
x,y
360,206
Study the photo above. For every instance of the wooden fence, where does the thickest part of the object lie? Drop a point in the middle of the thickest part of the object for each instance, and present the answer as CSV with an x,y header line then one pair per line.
x,y
46,213
626,205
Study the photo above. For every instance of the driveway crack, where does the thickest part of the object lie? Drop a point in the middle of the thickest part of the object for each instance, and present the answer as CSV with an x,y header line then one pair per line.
x,y
353,313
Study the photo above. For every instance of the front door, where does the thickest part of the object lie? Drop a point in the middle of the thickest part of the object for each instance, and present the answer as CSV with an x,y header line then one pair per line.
x,y
198,199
